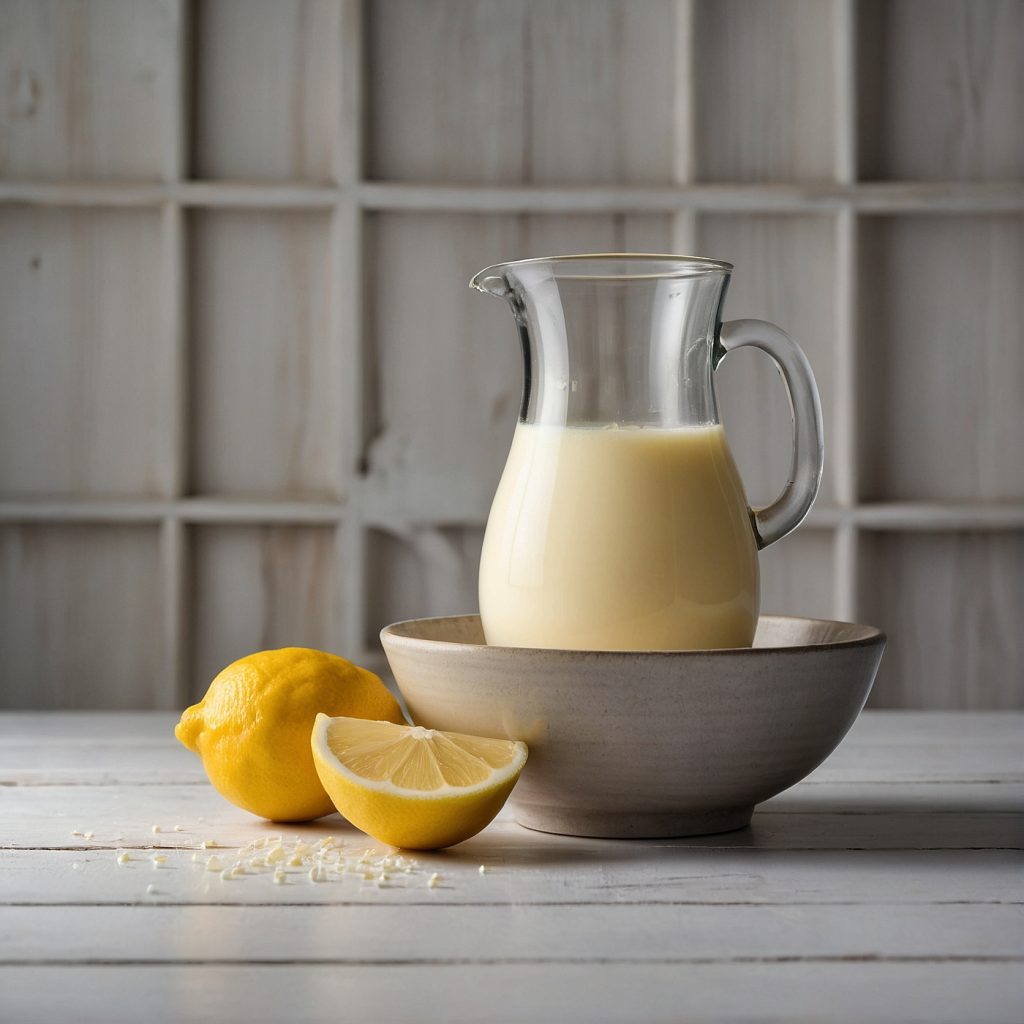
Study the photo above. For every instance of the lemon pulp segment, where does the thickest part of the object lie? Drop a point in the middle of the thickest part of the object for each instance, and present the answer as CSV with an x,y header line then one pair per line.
x,y
414,787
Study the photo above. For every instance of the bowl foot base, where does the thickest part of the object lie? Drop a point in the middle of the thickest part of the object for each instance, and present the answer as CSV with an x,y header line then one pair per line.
x,y
616,825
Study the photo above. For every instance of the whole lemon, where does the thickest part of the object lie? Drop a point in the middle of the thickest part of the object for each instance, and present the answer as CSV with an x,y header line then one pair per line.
x,y
253,726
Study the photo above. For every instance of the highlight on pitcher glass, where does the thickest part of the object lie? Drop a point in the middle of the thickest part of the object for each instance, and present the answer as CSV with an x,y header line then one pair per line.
x,y
620,522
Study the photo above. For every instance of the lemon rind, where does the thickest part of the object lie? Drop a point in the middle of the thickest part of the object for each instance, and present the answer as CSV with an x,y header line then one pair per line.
x,y
495,781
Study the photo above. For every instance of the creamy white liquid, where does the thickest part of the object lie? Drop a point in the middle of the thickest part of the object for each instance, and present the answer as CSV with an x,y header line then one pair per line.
x,y
619,539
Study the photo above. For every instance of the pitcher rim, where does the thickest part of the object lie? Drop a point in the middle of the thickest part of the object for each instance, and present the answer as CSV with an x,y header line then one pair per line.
x,y
688,266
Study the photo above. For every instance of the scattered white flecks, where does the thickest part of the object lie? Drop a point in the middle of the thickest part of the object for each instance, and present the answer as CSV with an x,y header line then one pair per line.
x,y
434,881
156,829
77,832
88,835
482,869
75,866
179,828
122,857
150,890
324,860
200,820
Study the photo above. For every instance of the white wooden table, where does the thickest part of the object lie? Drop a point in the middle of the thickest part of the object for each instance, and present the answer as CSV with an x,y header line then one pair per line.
x,y
888,886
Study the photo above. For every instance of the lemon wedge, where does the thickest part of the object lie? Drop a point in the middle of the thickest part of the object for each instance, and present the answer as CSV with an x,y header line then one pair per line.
x,y
413,787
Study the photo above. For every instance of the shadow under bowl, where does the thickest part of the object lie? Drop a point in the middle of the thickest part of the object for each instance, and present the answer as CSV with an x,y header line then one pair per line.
x,y
644,744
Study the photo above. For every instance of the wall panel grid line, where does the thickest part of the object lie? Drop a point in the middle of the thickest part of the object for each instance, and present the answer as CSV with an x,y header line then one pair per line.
x,y
279,156
175,638
919,516
866,198
844,443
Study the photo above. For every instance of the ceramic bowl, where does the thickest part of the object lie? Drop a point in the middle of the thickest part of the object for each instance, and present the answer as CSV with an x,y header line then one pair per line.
x,y
646,743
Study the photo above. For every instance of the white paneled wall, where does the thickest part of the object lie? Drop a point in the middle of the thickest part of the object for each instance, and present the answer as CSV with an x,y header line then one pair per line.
x,y
246,398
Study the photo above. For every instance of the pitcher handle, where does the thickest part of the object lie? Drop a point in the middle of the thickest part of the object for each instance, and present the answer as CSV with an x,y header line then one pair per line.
x,y
788,510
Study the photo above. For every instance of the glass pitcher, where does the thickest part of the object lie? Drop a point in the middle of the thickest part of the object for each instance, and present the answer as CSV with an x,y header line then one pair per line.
x,y
620,522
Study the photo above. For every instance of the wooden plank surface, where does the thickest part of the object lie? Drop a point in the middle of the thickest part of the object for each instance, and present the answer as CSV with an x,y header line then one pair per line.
x,y
509,91
886,886
46,815
266,416
940,412
528,870
420,567
260,587
81,616
585,933
912,52
266,89
797,576
943,649
85,364
857,992
90,88
764,83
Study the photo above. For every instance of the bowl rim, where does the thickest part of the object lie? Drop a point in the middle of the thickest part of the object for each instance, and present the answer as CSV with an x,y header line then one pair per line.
x,y
873,636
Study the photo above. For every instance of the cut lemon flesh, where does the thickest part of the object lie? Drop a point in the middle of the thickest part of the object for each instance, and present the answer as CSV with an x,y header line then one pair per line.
x,y
413,787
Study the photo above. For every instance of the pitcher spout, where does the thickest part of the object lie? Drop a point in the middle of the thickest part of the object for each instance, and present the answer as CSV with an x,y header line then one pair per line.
x,y
491,281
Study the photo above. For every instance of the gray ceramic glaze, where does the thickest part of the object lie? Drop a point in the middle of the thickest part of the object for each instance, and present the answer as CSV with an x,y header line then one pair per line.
x,y
647,743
